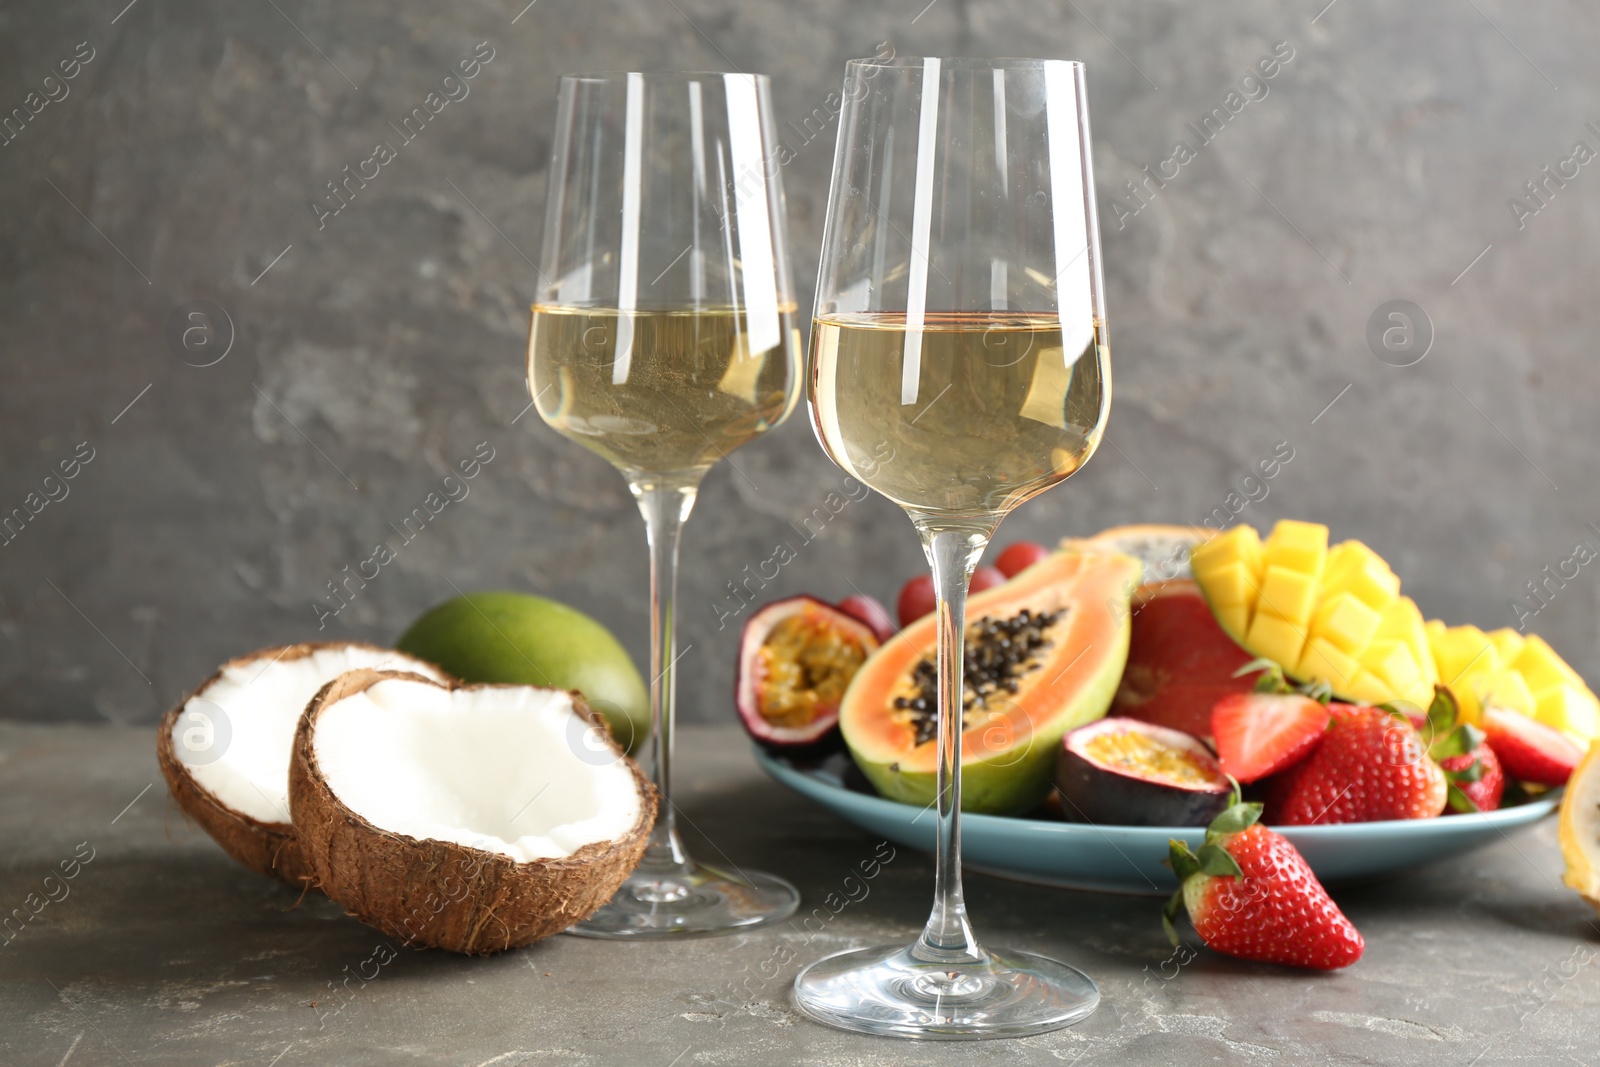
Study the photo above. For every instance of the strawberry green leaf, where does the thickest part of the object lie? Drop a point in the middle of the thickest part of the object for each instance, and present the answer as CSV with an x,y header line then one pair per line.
x,y
1214,859
1169,912
1319,691
1182,861
1271,680
1233,820
1457,742
1443,712
1470,773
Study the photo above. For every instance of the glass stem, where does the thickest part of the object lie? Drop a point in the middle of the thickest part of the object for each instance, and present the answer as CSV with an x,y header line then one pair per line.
x,y
953,554
665,506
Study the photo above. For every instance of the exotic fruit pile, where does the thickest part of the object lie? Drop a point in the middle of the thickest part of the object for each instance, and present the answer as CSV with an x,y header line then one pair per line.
x,y
1296,669
1045,647
1301,666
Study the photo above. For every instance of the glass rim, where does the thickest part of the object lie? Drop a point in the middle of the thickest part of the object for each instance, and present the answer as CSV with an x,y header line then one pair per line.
x,y
965,63
601,76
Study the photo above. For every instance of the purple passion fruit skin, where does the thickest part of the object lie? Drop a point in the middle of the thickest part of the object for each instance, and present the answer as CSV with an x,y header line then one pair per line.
x,y
1123,772
796,659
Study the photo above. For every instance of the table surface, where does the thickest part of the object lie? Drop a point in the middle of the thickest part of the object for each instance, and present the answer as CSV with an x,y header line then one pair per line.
x,y
164,951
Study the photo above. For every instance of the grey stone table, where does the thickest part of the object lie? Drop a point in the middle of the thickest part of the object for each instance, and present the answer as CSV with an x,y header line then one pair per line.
x,y
161,951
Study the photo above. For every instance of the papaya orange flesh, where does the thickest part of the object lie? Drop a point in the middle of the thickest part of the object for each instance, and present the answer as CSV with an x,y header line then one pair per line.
x,y
1045,652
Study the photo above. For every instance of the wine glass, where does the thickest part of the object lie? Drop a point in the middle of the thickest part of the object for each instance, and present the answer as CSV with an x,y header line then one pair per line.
x,y
663,338
960,368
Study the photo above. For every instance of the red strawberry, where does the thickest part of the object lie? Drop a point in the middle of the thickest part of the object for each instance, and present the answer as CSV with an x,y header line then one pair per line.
x,y
916,599
1019,557
1470,766
1250,894
870,613
1369,766
1258,734
985,578
1477,775
1530,751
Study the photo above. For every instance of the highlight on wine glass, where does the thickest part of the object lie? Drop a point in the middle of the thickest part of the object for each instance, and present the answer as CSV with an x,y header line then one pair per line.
x,y
959,331
663,338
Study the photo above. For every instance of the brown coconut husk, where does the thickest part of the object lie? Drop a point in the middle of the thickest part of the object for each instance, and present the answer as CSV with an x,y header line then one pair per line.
x,y
269,848
441,894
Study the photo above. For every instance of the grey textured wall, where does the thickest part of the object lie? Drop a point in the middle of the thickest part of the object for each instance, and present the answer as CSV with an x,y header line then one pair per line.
x,y
372,355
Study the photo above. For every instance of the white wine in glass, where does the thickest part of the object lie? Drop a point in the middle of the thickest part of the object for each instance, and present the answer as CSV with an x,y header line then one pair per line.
x,y
700,393
662,339
1001,387
960,321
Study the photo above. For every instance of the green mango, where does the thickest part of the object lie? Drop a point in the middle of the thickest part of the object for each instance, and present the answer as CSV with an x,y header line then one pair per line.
x,y
520,639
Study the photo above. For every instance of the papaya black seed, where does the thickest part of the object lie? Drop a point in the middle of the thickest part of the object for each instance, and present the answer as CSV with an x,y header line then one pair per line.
x,y
998,654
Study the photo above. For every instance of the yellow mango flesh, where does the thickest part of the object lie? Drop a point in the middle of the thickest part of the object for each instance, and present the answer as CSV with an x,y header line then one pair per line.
x,y
1538,663
1300,546
1335,614
1275,638
1508,689
1323,659
1288,594
1346,623
1228,567
1505,669
1575,712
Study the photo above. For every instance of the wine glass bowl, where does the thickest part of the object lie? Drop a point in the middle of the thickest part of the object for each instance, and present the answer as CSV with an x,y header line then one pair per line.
x,y
959,321
663,337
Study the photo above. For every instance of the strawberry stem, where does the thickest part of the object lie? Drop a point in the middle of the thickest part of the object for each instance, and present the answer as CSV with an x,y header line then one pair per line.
x,y
1234,819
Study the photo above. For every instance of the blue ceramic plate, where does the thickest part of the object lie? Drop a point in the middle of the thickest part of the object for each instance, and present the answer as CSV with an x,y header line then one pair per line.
x,y
1127,859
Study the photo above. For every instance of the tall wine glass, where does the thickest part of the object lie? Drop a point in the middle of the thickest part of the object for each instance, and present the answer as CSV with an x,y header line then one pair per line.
x,y
959,367
663,338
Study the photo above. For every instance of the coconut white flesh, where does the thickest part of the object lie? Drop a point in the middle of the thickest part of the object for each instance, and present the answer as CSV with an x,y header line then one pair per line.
x,y
261,702
501,769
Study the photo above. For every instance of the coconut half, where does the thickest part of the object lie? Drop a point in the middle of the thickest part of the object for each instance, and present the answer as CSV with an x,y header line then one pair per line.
x,y
473,818
225,749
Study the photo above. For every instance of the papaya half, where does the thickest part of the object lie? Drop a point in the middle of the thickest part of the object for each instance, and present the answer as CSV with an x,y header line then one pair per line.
x,y
1044,654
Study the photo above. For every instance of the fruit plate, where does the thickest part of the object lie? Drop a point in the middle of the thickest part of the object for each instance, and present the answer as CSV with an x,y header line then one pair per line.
x,y
1127,859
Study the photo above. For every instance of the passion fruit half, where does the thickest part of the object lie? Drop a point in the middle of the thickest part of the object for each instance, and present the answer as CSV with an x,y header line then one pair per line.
x,y
1124,772
796,659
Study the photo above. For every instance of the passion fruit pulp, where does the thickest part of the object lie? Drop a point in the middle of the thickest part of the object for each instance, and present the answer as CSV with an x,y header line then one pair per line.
x,y
796,659
1130,773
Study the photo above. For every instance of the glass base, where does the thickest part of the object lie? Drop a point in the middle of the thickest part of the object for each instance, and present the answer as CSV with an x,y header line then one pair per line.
x,y
690,901
889,992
